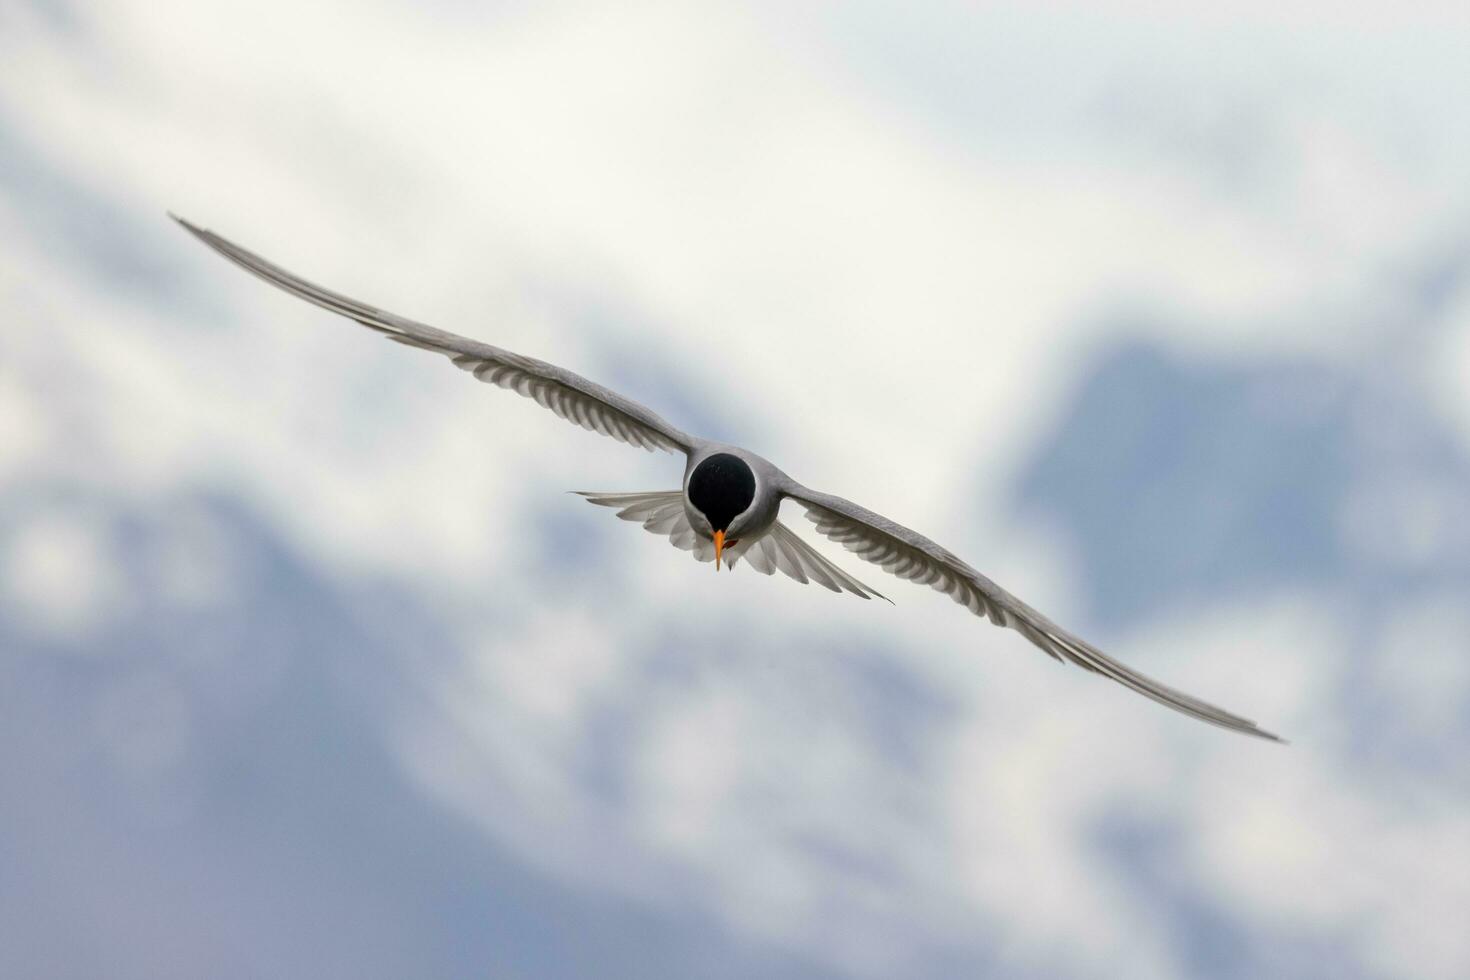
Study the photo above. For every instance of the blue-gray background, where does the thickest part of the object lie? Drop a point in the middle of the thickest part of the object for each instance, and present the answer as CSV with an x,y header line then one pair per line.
x,y
309,668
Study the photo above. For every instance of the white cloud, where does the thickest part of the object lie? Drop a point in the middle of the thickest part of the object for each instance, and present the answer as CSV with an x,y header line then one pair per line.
x,y
60,577
1420,668
22,426
1444,359
800,244
1306,848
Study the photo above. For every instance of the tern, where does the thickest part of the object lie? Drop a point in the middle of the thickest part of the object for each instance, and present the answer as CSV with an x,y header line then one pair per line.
x,y
728,506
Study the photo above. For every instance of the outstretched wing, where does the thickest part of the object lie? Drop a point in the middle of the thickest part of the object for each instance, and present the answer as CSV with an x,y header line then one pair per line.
x,y
910,555
781,549
569,395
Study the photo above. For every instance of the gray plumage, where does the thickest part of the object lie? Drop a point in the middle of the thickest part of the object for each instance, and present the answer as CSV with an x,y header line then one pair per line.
x,y
754,535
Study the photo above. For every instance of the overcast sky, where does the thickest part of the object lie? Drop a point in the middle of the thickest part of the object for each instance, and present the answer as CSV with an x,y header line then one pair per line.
x,y
309,666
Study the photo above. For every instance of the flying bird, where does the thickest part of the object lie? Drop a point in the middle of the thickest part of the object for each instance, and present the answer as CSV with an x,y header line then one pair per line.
x,y
727,509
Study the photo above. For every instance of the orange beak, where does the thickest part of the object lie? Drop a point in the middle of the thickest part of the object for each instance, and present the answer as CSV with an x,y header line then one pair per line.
x,y
719,547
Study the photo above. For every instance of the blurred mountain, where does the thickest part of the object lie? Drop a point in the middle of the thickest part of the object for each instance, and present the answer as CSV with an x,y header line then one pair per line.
x,y
1180,480
203,786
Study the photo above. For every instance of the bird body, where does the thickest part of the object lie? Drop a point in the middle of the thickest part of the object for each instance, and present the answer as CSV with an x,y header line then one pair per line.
x,y
727,508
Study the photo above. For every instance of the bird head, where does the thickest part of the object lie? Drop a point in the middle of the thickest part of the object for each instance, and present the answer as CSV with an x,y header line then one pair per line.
x,y
722,488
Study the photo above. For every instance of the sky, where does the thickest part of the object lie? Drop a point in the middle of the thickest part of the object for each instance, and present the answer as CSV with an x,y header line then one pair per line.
x,y
1159,316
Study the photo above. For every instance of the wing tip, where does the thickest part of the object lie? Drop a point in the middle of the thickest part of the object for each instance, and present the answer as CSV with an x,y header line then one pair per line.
x,y
187,225
1263,734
